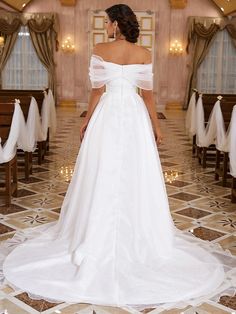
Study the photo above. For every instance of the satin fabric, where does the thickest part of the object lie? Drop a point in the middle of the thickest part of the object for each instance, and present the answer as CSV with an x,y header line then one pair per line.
x,y
115,242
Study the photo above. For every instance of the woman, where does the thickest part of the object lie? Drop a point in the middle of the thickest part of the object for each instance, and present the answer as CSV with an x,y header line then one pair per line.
x,y
115,242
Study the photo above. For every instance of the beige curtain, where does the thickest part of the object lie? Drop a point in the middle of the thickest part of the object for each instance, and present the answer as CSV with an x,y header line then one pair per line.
x,y
231,28
43,28
9,31
201,34
201,42
43,36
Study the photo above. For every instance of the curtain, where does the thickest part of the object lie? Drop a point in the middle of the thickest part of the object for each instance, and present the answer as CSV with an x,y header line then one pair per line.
x,y
9,32
201,41
42,38
23,69
217,73
228,65
201,34
231,28
43,29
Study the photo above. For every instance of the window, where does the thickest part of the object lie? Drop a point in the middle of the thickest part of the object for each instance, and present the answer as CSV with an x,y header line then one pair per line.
x,y
217,72
23,69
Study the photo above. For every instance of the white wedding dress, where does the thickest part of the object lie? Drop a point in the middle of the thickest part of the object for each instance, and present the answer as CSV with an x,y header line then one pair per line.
x,y
115,242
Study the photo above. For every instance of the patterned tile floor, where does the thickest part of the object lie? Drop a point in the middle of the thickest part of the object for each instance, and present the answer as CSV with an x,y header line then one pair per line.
x,y
197,203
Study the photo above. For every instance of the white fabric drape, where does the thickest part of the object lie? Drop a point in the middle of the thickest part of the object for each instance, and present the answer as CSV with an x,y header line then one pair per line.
x,y
205,135
53,117
23,69
220,128
232,143
97,70
45,112
190,119
24,135
8,151
32,128
214,132
48,117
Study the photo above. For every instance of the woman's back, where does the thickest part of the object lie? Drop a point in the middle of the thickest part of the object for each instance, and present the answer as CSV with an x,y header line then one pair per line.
x,y
123,52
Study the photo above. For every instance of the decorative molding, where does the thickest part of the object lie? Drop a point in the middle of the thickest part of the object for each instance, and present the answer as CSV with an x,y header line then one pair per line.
x,y
178,4
146,23
98,22
70,3
146,40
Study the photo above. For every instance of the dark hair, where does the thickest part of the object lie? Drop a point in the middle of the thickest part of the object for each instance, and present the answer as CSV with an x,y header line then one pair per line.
x,y
126,19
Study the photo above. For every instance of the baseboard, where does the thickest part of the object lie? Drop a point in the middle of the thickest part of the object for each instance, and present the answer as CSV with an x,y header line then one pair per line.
x,y
67,103
174,106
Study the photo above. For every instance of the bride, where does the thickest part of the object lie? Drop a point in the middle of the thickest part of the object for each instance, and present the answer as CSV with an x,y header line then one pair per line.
x,y
115,242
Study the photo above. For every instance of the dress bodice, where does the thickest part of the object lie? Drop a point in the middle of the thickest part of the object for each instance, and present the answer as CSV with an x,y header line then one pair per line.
x,y
116,76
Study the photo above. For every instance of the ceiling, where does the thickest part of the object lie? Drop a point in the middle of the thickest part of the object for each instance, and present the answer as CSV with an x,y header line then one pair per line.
x,y
226,6
18,5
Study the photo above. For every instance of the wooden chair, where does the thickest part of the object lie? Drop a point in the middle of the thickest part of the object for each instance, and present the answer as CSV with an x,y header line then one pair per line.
x,y
9,184
206,154
233,191
194,143
43,147
25,103
223,171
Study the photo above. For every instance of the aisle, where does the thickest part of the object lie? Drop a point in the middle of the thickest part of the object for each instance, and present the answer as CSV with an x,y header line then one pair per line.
x,y
198,204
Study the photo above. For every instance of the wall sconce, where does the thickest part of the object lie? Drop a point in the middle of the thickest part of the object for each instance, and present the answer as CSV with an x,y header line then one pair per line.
x,y
67,45
1,44
1,41
176,48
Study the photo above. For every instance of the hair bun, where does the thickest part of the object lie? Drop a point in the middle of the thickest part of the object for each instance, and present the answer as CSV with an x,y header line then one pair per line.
x,y
126,19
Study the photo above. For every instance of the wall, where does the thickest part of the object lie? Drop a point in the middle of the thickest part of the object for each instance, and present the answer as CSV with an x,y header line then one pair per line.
x,y
170,73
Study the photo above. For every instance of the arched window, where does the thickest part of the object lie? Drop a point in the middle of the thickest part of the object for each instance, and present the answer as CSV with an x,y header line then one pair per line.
x,y
217,72
23,69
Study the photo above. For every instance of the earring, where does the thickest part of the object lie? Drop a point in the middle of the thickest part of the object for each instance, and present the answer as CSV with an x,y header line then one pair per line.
x,y
114,34
115,30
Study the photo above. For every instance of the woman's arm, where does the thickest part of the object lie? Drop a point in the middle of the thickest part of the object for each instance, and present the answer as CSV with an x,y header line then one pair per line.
x,y
95,95
148,99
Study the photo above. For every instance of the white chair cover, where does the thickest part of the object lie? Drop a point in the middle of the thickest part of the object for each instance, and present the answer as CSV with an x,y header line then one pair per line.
x,y
190,119
25,135
221,137
45,118
53,117
214,132
205,136
8,151
232,143
29,131
33,125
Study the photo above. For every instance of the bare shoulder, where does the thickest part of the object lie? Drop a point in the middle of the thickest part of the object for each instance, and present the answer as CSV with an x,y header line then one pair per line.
x,y
146,54
100,48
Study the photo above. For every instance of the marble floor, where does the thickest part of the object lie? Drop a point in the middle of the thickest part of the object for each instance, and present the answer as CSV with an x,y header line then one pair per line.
x,y
198,203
